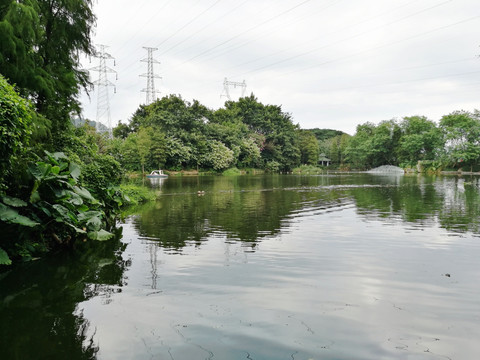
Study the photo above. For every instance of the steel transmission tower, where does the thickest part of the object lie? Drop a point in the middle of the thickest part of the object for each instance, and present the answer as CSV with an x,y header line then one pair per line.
x,y
103,100
150,75
226,88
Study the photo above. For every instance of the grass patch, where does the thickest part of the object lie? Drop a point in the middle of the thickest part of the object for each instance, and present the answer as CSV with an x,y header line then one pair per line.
x,y
232,172
307,170
137,194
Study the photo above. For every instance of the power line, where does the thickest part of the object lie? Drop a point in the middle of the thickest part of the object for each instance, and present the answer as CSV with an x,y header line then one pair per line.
x,y
343,40
203,28
189,22
306,42
144,23
176,32
246,31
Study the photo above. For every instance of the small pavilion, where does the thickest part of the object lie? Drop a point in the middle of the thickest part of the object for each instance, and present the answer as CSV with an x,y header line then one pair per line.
x,y
323,160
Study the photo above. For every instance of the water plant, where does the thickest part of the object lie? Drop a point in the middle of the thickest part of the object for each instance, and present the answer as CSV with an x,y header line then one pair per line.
x,y
56,211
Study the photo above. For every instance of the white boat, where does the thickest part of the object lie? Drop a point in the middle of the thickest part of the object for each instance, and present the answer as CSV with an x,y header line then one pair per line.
x,y
157,174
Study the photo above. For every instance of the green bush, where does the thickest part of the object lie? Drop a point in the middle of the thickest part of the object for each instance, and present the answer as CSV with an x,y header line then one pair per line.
x,y
15,120
56,211
137,194
231,172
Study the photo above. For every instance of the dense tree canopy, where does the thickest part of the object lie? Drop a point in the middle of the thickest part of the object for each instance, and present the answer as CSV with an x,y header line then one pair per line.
x,y
245,133
40,45
462,135
15,127
454,142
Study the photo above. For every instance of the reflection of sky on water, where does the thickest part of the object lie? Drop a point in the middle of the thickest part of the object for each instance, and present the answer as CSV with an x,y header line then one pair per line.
x,y
333,286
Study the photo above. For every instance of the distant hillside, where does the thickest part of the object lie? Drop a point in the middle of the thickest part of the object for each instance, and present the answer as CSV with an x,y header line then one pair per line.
x,y
324,134
77,122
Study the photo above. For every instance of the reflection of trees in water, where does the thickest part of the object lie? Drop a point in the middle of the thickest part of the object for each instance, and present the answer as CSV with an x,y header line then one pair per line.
x,y
39,302
251,208
240,208
425,200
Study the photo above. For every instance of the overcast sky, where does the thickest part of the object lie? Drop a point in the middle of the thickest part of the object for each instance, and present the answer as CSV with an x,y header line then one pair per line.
x,y
329,63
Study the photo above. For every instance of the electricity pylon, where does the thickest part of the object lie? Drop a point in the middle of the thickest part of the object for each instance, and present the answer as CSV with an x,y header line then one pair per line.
x,y
150,75
103,100
226,88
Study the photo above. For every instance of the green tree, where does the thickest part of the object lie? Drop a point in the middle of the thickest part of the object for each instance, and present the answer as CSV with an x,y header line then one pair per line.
x,y
309,148
281,137
420,140
219,157
461,130
121,131
158,149
250,155
144,143
374,145
40,46
358,149
129,153
178,153
15,121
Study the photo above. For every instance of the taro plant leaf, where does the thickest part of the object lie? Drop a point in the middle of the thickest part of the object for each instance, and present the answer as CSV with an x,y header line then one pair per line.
x,y
74,171
11,216
84,193
87,215
94,223
75,199
101,235
51,157
60,156
40,170
56,157
4,259
35,196
15,202
61,193
63,166
55,170
77,230
64,213
82,208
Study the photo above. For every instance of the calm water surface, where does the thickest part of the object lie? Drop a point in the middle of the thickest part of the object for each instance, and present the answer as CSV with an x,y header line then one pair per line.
x,y
348,266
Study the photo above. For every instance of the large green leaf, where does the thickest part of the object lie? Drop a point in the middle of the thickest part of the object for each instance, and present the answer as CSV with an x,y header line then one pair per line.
x,y
77,230
40,170
84,193
87,215
15,202
12,216
94,223
75,199
60,156
65,213
101,235
74,171
51,157
35,195
4,259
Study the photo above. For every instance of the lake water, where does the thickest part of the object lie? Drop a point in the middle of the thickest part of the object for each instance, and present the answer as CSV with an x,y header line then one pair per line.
x,y
337,266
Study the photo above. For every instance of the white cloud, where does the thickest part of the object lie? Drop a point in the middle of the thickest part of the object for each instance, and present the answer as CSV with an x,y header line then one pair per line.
x,y
331,63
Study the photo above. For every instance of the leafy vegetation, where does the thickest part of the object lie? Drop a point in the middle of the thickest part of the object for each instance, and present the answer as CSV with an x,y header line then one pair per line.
x,y
40,45
177,134
58,184
453,143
